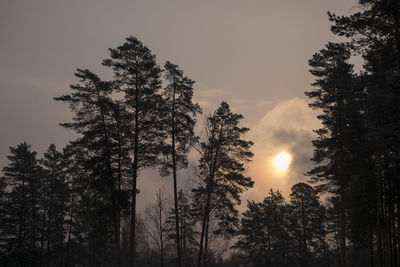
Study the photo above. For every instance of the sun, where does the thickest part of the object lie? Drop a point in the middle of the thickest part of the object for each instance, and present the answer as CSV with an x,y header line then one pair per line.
x,y
282,161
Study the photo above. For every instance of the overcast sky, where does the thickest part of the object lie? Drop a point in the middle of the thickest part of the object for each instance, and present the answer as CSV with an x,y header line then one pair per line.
x,y
252,54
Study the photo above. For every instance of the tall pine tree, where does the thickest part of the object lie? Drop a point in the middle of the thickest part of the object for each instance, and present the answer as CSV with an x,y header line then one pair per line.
x,y
94,120
137,75
334,92
222,165
180,123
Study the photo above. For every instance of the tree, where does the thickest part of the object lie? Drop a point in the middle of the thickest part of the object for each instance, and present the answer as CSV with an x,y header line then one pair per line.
x,y
21,209
307,223
95,119
54,197
158,224
374,33
180,122
77,219
253,242
336,94
187,228
375,28
223,155
263,235
383,127
137,75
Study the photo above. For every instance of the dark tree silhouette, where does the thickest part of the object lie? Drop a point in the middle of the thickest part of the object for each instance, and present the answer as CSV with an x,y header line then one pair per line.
x,y
187,228
21,208
54,197
223,155
95,120
263,235
180,123
157,224
374,34
137,75
307,223
335,87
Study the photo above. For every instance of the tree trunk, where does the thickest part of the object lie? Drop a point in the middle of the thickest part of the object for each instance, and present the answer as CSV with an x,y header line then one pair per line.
x,y
206,243
161,230
134,182
178,246
118,204
203,229
133,216
398,231
115,204
21,226
303,230
70,225
209,189
396,17
48,240
378,224
117,225
371,245
342,228
183,238
43,222
49,220
269,248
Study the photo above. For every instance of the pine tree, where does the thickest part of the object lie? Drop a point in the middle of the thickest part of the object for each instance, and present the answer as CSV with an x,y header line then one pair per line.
x,y
21,209
335,89
332,228
76,219
180,122
94,119
253,239
187,228
54,198
307,223
137,75
374,33
263,235
223,155
375,28
383,129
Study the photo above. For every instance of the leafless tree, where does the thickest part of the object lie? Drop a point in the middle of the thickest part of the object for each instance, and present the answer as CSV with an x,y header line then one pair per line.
x,y
157,224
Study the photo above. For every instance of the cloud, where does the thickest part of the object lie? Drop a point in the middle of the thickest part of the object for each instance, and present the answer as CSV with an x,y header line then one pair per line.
x,y
286,127
210,92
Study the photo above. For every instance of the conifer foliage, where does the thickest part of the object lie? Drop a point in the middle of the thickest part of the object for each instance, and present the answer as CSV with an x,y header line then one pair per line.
x,y
21,207
137,75
222,165
356,151
180,122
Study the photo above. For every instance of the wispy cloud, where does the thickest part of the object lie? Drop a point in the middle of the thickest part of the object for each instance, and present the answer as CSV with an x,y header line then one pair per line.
x,y
209,92
286,127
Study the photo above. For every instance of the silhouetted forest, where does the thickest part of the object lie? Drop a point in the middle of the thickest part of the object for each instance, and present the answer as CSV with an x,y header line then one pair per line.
x,y
76,206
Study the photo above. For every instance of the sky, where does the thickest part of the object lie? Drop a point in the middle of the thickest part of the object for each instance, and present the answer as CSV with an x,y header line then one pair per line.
x,y
252,54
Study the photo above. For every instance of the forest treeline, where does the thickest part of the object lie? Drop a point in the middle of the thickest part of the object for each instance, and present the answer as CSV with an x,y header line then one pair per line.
x,y
77,206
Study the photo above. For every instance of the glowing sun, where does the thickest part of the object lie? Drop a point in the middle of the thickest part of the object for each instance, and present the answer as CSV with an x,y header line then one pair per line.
x,y
282,161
